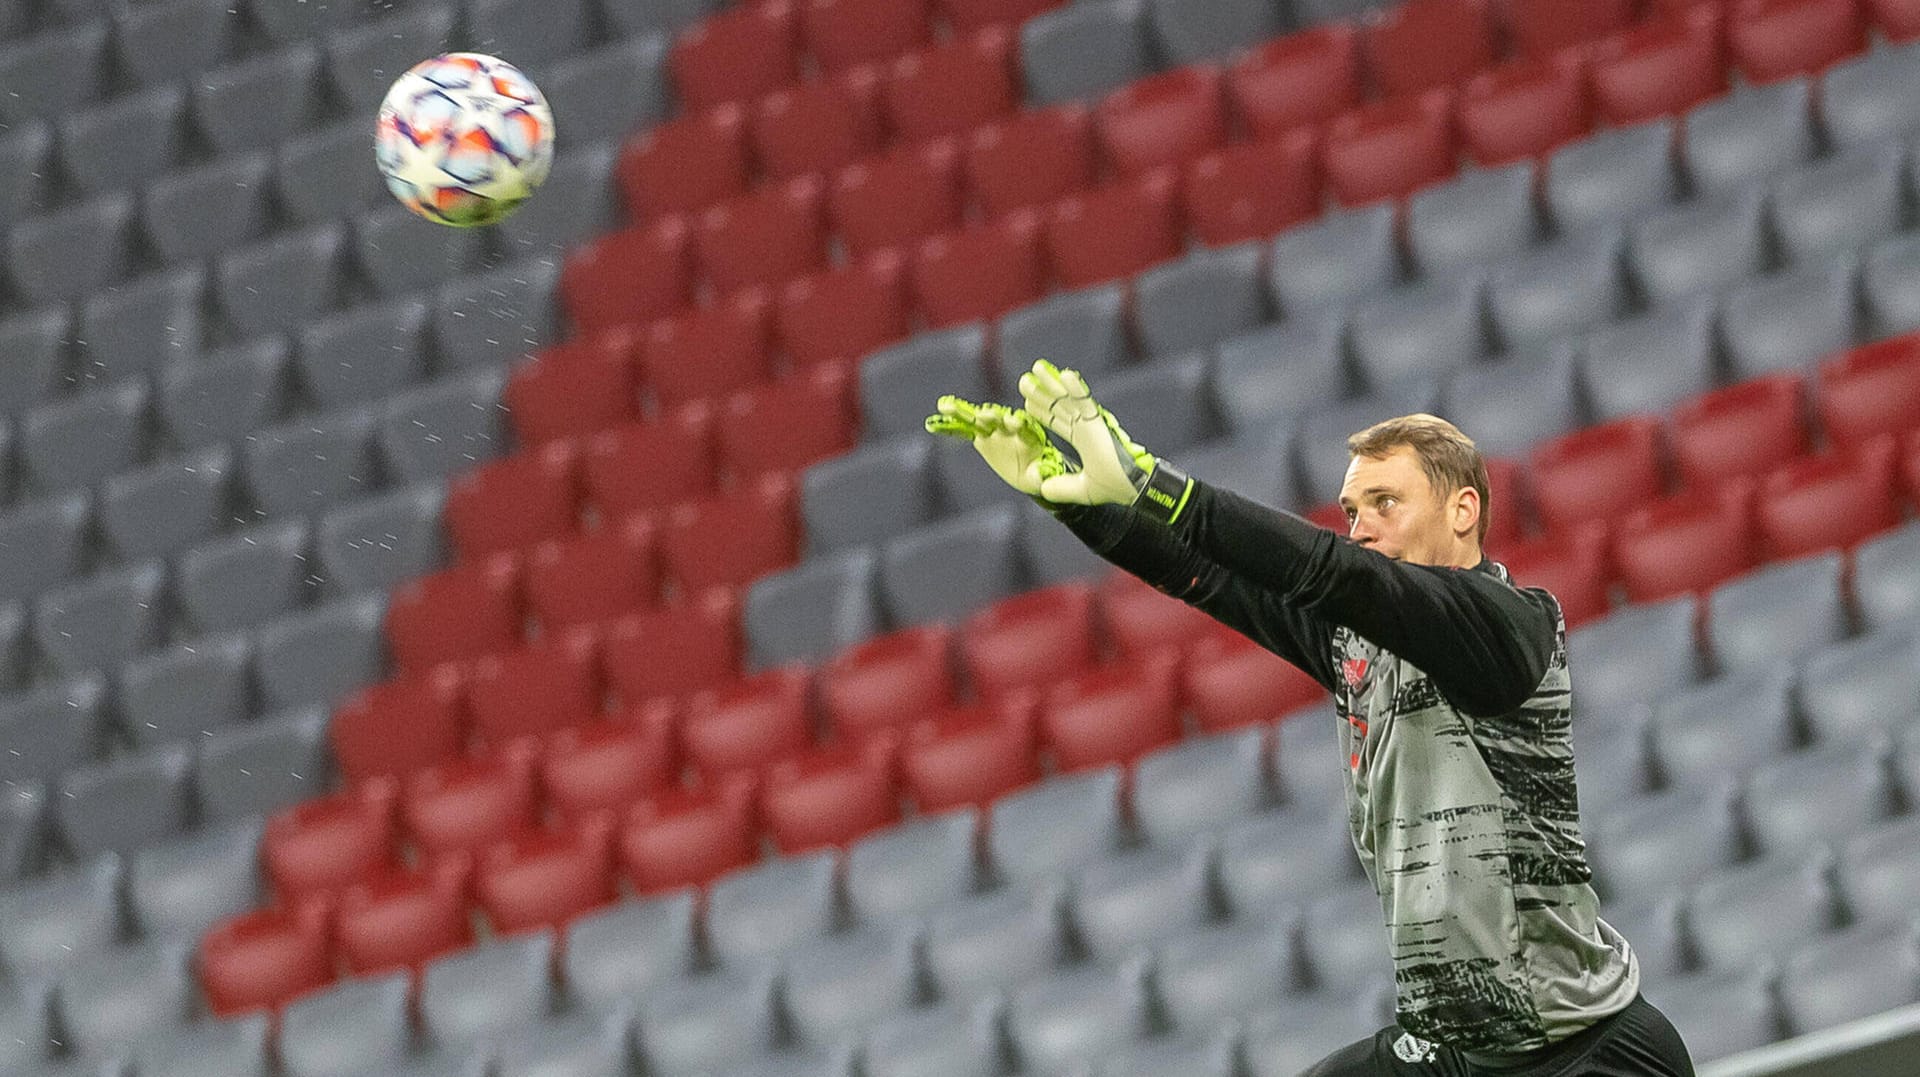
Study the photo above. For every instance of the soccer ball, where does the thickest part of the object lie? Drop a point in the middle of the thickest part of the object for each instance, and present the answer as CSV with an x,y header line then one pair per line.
x,y
463,139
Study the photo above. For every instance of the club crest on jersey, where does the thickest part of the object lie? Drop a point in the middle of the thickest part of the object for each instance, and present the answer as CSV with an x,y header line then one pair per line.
x,y
1355,670
1411,1048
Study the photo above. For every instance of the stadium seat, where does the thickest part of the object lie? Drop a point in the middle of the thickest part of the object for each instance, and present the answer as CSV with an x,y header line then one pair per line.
x,y
246,578
1184,35
1875,870
1869,391
1253,190
1652,843
1430,328
1647,364
897,198
1523,109
758,912
1789,895
731,538
220,397
328,843
1749,135
1544,27
1300,79
124,141
952,568
608,765
1686,543
672,651
1076,1014
685,165
320,656
641,466
1425,44
1636,654
1558,288
1869,98
320,176
764,236
573,390
445,427
1036,834
814,609
952,87
1835,499
1777,39
382,541
251,104
466,998
274,285
1775,616
534,690
614,954
869,495
180,888
299,468
1885,585
1235,970
1858,687
73,57
402,254
103,620
1839,206
837,987
816,126
960,1040
1744,429
1334,260
1790,321
263,767
399,726
1721,1014
401,920
1263,377
515,502
362,354
840,34
1699,247
1030,159
121,805
993,941
979,271
1662,66
262,959
1480,217
1197,301
1596,472
751,722
608,91
1341,952
1486,400
889,680
843,314
1161,120
68,253
1824,979
1391,148
1320,444
1891,266
544,879
999,645
970,755
1230,682
456,614
1077,52
593,576
707,1024
142,326
899,384
361,1023
1143,622
901,872
629,277
188,691
1801,800
35,339
832,797
470,803
1722,728
736,55
1613,175
1111,714
704,353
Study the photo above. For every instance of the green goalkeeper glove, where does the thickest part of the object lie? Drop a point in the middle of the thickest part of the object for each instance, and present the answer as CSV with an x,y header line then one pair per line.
x,y
1114,469
1012,442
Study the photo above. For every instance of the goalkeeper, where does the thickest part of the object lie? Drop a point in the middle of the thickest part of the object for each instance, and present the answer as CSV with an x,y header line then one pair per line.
x,y
1452,694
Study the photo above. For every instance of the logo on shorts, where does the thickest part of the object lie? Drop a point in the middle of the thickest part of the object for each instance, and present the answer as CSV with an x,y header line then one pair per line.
x,y
1411,1048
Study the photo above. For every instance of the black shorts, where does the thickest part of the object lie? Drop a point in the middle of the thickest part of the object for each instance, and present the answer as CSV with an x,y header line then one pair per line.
x,y
1638,1041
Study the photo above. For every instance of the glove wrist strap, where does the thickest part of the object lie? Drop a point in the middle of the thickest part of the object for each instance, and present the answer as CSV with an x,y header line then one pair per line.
x,y
1165,495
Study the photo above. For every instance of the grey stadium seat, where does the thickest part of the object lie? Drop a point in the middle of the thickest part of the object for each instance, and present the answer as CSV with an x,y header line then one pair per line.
x,y
1777,614
1873,96
174,39
1202,784
23,829
163,508
257,102
1121,903
572,1046
1089,325
1280,370
1420,331
1858,687
444,429
612,91
1840,205
209,208
1749,135
118,999
836,987
1614,757
1215,1057
1649,363
1719,1013
1205,977
496,318
1789,321
102,620
1723,727
480,993
617,954
1084,50
1199,300
1168,402
28,1038
364,60
51,923
1077,1014
1650,844
275,285
401,253
1890,278
239,1047
1824,981
35,343
710,1023
1345,945
1635,655
1334,260
178,889
69,252
1886,577
983,944
1877,870
533,36
872,494
1307,760
811,611
1656,929
260,768
1186,34
15,649
78,440
1699,247
1743,914
1322,439
1051,553
899,384
963,483
52,727
1482,216
124,142
327,174
950,569
247,578
45,542
319,656
143,326
761,911
302,467
224,395
1260,468
1515,404
578,202
122,805
25,155
626,18
353,1027
1614,175
378,543
53,72
364,353
943,1041
910,869
1571,284
297,22
1819,795
1039,832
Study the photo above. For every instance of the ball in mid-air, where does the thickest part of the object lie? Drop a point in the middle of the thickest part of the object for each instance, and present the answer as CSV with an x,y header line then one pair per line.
x,y
464,138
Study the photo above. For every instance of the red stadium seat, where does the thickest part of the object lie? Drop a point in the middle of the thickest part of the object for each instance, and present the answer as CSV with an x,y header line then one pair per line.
x,y
1870,391
263,959
1506,507
1744,429
1544,27
1598,473
889,681
594,576
1663,66
1031,158
643,466
399,726
832,797
971,755
545,878
328,843
686,164
1423,44
574,389
1232,682
1329,516
980,271
1022,641
841,315
1117,230
965,15
688,838
843,33
733,537
711,351
537,689
1113,714
738,54
749,723
1690,542
403,920
757,433
896,198
1164,119
673,651
456,614
601,769
1391,148
467,804
1572,566
1144,621
1910,466
629,277
515,501
954,87
1778,39
764,236
1835,499
1294,81
818,125
1255,189
1898,19
1524,109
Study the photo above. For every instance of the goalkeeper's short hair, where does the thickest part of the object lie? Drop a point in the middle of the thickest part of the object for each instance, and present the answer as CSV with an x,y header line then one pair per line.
x,y
1449,457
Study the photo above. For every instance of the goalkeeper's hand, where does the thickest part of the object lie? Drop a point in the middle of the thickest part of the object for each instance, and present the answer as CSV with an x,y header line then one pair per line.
x,y
1012,442
1113,467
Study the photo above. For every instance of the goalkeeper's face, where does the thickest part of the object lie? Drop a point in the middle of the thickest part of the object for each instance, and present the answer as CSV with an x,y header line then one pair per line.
x,y
1392,507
